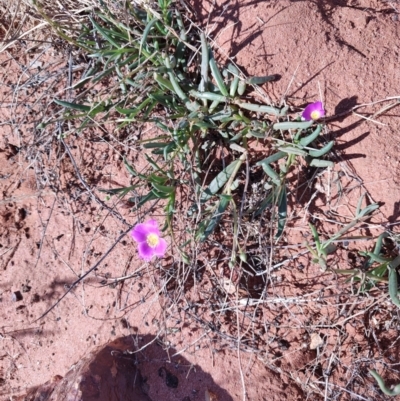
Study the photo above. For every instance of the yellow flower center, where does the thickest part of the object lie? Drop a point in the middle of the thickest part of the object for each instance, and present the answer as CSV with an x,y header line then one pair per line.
x,y
152,240
315,115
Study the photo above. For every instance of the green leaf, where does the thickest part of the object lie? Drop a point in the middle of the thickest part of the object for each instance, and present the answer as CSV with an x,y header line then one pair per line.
x,y
273,158
136,110
272,174
312,137
221,115
166,100
393,285
239,135
321,163
216,218
208,96
121,191
260,108
176,87
81,82
241,88
165,150
284,111
321,152
293,150
146,33
256,134
180,48
218,77
382,385
235,81
378,247
154,178
316,237
367,210
260,80
143,199
74,106
153,164
282,211
185,258
153,145
376,258
359,204
103,74
380,270
204,63
293,125
98,108
164,82
159,194
130,169
104,33
170,208
163,188
114,52
218,182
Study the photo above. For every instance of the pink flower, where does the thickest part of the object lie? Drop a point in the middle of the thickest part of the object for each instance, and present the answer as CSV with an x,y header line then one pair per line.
x,y
147,235
313,111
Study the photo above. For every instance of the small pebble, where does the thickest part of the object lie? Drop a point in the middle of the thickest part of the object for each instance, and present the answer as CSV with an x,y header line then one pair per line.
x,y
16,296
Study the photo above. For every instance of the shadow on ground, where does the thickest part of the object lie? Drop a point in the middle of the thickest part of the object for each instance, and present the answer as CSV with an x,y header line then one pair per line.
x,y
116,372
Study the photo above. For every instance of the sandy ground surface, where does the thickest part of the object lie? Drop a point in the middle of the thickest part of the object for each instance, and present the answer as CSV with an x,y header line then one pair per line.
x,y
53,229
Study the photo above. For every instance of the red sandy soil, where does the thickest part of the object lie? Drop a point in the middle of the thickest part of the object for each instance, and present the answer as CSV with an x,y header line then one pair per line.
x,y
346,52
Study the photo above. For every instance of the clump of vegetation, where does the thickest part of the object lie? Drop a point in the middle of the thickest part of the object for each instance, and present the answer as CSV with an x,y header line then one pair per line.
x,y
208,123
219,161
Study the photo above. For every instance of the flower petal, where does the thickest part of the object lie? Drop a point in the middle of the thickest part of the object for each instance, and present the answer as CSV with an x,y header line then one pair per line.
x,y
152,227
161,248
140,232
319,107
307,112
145,251
313,108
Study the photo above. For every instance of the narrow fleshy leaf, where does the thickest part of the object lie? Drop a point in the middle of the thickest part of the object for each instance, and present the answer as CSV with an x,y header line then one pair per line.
x,y
208,96
260,80
204,63
150,196
218,77
293,150
393,283
323,151
368,210
260,108
321,163
163,188
121,191
312,137
235,81
273,158
219,181
146,33
104,33
391,392
216,218
241,88
271,173
282,211
292,125
74,106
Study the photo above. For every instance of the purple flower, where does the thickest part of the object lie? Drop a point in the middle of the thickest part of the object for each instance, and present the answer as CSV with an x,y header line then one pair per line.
x,y
313,111
147,235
